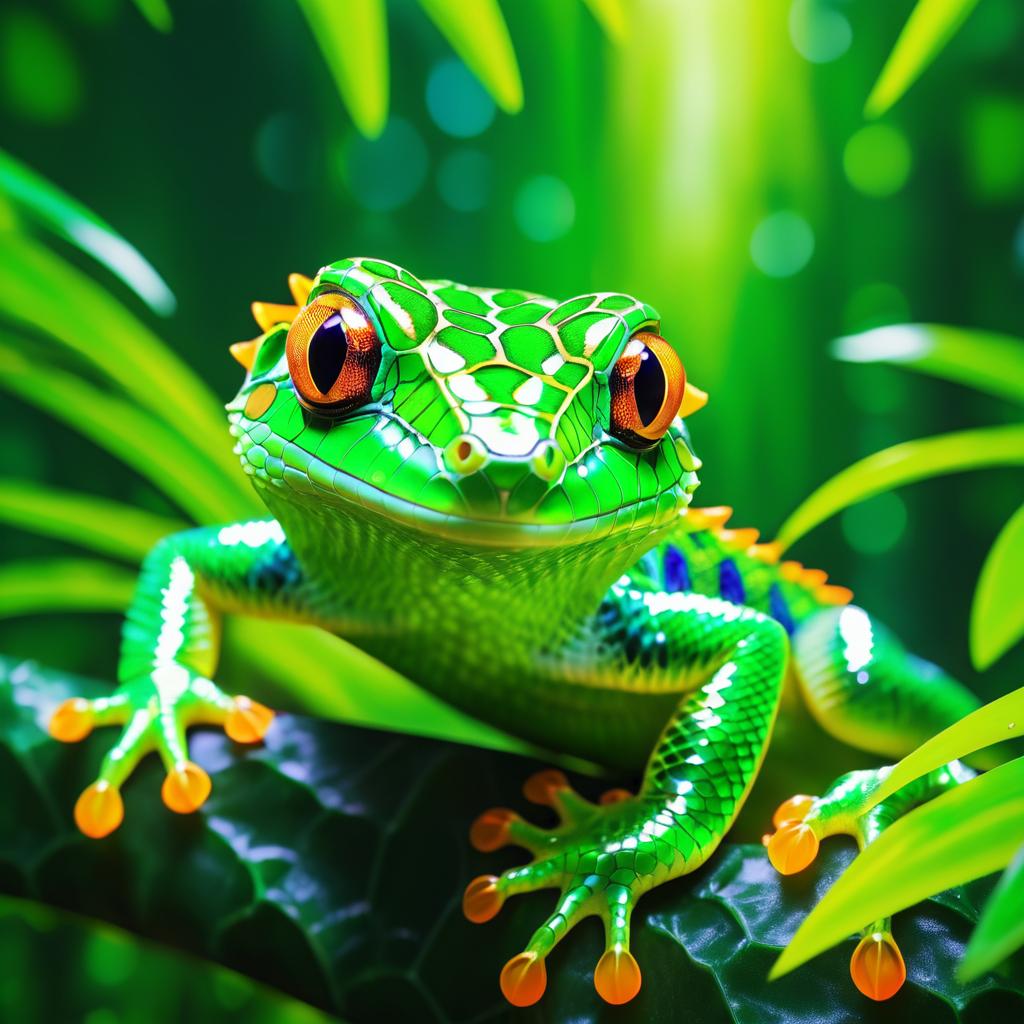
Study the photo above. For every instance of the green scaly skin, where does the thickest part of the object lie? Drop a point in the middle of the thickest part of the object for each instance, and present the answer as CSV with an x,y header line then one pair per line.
x,y
476,525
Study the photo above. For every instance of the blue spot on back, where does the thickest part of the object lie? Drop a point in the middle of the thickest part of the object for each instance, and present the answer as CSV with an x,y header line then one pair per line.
x,y
676,571
779,610
730,582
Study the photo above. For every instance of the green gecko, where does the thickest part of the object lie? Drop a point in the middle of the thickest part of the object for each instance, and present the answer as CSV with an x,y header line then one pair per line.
x,y
489,491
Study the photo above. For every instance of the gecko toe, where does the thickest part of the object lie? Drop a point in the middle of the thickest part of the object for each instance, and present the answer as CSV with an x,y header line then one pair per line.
x,y
99,810
524,978
877,966
185,788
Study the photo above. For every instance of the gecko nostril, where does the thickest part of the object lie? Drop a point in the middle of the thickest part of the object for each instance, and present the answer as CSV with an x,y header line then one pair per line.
x,y
465,454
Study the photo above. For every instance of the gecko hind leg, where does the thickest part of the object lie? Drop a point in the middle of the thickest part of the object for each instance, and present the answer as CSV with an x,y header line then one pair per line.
x,y
876,966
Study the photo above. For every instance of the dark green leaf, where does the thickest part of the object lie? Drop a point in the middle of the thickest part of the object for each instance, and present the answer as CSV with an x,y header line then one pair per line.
x,y
1000,932
331,862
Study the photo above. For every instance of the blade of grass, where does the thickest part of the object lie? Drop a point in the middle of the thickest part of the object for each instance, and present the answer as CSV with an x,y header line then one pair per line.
x,y
931,25
1000,932
997,610
904,464
45,585
477,32
152,449
611,16
157,13
77,224
980,359
322,675
964,834
109,527
353,38
43,290
1001,719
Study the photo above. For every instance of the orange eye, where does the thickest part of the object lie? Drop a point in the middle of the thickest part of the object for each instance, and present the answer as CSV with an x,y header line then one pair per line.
x,y
647,386
333,354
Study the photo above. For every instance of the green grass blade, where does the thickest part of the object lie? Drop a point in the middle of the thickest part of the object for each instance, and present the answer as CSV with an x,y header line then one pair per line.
x,y
1001,719
353,38
356,689
997,611
477,32
611,16
97,523
78,225
87,319
35,586
152,449
929,28
1000,932
902,464
157,13
983,360
964,834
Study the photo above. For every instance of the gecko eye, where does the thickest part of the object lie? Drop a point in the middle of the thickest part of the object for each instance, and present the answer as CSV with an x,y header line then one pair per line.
x,y
647,386
333,354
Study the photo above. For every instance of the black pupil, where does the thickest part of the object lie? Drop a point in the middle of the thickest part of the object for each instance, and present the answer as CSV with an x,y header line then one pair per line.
x,y
649,386
327,350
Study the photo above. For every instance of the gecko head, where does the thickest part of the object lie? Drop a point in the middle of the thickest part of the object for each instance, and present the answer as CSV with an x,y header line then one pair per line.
x,y
488,415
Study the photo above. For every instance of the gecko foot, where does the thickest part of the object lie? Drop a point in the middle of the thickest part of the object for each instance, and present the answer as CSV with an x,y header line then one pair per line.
x,y
600,857
801,822
154,712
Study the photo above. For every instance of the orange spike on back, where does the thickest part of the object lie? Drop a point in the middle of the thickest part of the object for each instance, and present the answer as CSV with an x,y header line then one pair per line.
x,y
791,571
769,553
270,314
830,594
812,578
710,518
300,286
739,540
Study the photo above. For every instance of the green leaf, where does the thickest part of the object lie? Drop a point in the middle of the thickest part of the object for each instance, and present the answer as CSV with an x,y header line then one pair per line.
x,y
1000,931
97,523
980,359
477,32
611,16
999,720
353,38
89,321
156,452
331,863
132,980
903,464
78,225
929,28
964,834
63,584
157,13
997,611
292,658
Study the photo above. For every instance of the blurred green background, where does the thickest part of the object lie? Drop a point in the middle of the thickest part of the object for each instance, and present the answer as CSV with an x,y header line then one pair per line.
x,y
714,160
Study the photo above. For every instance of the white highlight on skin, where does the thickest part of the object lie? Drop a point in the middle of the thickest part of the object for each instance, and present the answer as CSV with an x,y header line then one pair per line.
x,y
855,629
552,364
529,392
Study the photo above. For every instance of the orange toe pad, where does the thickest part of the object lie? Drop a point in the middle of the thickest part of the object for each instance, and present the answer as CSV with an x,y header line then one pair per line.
x,y
490,831
523,979
248,721
793,809
877,966
72,721
481,900
186,788
99,810
617,976
541,787
792,848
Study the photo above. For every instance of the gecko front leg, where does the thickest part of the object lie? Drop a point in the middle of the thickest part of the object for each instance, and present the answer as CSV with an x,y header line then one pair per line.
x,y
603,857
169,649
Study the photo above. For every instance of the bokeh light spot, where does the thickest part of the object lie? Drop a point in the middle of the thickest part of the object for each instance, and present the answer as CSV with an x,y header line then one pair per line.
x,y
39,77
875,305
818,32
877,160
285,152
386,172
544,208
782,244
876,525
464,180
457,102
